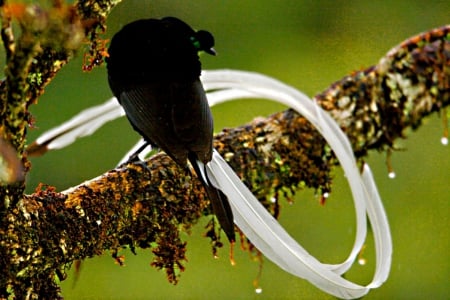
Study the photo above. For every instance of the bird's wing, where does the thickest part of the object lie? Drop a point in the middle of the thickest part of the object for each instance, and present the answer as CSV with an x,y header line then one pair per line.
x,y
148,108
192,119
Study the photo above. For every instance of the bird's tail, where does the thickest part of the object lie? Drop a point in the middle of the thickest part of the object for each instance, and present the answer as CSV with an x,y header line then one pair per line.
x,y
219,201
276,244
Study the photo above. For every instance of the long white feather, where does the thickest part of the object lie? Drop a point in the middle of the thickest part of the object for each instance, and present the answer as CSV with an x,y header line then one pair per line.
x,y
83,124
269,88
254,220
380,228
271,239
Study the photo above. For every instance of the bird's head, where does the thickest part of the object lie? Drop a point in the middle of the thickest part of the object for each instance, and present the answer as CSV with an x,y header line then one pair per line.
x,y
204,41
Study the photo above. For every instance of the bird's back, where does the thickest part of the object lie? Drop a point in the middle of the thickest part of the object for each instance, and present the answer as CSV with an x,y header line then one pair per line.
x,y
153,70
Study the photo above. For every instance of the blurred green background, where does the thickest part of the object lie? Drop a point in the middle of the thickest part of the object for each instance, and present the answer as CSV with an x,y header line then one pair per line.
x,y
308,44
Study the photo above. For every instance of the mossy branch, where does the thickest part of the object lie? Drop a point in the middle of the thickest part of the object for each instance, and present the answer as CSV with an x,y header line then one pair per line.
x,y
147,207
46,41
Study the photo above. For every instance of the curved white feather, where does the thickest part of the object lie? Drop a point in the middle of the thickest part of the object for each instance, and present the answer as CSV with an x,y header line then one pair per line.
x,y
381,232
83,124
363,189
225,95
271,239
375,210
269,88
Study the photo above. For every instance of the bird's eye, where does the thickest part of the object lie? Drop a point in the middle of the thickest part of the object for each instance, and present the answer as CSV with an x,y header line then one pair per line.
x,y
195,42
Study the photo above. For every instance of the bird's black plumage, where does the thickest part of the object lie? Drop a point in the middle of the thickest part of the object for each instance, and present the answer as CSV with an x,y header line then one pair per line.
x,y
153,70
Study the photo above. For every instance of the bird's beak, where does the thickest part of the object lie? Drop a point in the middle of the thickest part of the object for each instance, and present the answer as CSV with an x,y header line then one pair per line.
x,y
211,51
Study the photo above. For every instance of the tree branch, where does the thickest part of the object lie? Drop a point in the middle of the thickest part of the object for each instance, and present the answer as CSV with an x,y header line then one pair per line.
x,y
148,206
47,41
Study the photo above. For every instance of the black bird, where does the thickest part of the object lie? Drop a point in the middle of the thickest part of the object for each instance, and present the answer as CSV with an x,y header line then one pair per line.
x,y
153,70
